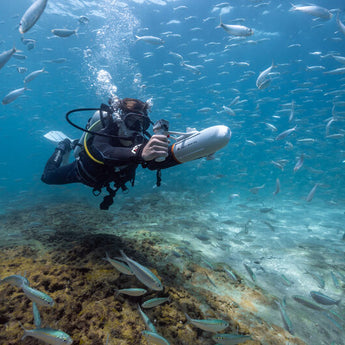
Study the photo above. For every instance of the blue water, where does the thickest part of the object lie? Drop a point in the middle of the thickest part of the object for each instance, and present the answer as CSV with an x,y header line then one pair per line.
x,y
106,45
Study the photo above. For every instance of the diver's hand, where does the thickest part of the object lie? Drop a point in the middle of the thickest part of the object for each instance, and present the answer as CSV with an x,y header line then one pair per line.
x,y
156,147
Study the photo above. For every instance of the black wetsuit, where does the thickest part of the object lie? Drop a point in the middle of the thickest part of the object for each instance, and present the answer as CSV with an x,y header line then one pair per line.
x,y
120,163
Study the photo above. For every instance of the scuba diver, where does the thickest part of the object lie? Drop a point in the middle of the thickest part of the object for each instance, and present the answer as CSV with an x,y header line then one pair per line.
x,y
115,142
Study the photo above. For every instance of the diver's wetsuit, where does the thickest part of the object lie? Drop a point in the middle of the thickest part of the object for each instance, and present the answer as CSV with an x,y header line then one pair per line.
x,y
120,163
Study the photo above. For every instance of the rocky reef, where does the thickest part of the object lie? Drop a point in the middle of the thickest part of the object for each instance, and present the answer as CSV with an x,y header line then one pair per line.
x,y
63,257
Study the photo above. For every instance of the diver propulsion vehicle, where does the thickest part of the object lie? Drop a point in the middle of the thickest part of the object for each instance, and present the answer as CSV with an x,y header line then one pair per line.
x,y
194,144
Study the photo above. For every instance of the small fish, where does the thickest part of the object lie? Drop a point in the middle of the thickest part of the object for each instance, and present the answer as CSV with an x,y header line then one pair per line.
x,y
263,78
5,56
229,110
255,190
19,56
340,59
292,111
210,325
250,272
312,192
33,75
64,32
286,320
15,280
143,274
277,187
336,71
230,274
131,292
13,95
154,302
83,20
230,339
31,15
120,266
150,39
191,68
313,10
49,336
37,296
323,299
299,163
284,134
154,338
37,317
22,69
306,302
236,30
148,324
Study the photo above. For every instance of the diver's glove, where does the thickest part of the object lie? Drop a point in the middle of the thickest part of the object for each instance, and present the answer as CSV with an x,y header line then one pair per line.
x,y
64,146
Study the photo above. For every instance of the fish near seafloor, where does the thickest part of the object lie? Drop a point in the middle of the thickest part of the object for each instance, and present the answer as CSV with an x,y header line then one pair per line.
x,y
37,296
32,15
49,336
209,325
323,299
226,339
143,274
154,338
5,56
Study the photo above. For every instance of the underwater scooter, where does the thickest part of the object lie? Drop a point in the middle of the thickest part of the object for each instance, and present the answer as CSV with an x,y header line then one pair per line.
x,y
188,146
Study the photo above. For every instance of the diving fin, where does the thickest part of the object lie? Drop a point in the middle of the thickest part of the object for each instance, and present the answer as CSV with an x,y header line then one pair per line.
x,y
56,136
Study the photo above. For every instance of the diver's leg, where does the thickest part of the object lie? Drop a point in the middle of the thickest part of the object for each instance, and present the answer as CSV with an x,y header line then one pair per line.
x,y
54,173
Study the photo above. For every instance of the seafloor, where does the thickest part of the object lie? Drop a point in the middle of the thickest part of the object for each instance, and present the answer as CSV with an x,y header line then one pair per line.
x,y
60,249
61,253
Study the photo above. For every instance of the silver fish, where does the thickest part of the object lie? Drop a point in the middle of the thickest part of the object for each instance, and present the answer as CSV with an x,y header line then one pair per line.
x,y
64,32
286,320
120,266
340,25
143,274
37,296
5,56
37,316
32,15
323,299
306,302
15,280
149,325
33,75
311,193
10,97
336,71
154,302
154,338
131,292
284,134
277,187
313,10
236,30
49,336
210,325
230,339
263,79
150,39
299,163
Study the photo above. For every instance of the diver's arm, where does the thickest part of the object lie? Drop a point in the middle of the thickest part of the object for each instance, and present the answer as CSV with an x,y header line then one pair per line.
x,y
167,163
157,147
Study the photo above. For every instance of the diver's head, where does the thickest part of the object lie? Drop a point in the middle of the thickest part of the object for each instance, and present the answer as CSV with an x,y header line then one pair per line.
x,y
134,118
